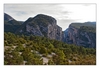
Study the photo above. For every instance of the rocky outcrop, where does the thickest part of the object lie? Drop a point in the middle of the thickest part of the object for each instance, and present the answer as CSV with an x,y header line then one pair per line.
x,y
54,32
80,37
42,25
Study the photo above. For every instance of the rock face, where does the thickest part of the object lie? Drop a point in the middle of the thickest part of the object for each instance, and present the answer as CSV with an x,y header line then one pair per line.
x,y
42,25
80,37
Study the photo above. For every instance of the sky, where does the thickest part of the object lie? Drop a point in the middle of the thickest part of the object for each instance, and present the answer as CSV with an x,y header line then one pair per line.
x,y
65,14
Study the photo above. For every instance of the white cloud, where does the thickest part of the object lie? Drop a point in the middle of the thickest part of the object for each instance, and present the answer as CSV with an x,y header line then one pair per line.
x,y
82,12
64,13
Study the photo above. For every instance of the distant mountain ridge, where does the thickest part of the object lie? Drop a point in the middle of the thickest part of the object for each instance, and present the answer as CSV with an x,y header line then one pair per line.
x,y
10,24
7,17
89,24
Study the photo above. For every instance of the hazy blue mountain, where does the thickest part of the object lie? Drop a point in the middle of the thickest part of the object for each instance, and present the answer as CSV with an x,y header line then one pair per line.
x,y
10,24
7,17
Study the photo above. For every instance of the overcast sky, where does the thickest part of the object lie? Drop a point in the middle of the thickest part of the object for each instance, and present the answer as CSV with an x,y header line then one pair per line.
x,y
65,14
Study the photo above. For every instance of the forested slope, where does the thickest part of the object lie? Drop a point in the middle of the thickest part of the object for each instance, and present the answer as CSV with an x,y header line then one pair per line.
x,y
35,50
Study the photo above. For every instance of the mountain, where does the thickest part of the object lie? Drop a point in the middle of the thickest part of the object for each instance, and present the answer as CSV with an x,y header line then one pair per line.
x,y
41,25
7,17
81,34
10,24
78,25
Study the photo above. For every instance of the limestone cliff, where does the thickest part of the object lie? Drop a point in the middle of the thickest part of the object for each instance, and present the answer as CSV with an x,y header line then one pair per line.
x,y
42,25
82,36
